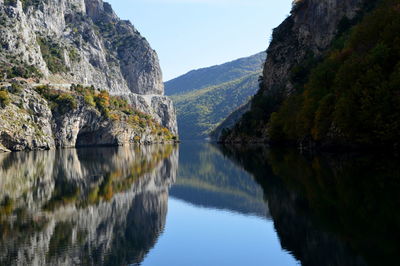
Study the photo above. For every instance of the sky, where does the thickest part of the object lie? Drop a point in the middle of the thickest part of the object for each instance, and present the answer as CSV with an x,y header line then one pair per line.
x,y
191,34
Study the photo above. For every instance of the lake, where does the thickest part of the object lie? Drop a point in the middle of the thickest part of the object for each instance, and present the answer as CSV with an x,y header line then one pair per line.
x,y
198,204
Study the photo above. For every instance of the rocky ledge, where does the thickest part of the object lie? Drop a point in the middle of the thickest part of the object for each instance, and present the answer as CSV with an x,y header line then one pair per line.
x,y
45,117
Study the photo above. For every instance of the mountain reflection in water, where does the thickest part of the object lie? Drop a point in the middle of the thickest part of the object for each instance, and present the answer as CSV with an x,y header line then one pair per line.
x,y
228,205
100,206
330,209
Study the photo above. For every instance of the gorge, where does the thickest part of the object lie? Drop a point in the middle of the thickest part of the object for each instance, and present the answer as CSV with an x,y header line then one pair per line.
x,y
286,157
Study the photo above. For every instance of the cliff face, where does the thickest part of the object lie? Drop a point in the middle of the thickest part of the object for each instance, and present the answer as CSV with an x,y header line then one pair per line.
x,y
307,32
82,42
310,29
95,46
64,118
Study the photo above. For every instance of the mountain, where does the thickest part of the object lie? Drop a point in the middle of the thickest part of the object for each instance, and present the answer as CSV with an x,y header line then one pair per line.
x,y
56,44
204,97
331,78
214,75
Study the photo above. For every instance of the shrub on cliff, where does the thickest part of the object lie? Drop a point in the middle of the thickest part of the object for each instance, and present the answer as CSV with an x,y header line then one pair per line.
x,y
65,103
19,70
16,88
102,101
4,99
59,101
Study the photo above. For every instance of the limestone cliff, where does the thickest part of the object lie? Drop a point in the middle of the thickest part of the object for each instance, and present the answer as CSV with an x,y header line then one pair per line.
x,y
82,42
44,117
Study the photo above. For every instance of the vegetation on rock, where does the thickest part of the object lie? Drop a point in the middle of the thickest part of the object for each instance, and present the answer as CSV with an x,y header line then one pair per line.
x,y
353,95
53,55
113,108
4,98
349,96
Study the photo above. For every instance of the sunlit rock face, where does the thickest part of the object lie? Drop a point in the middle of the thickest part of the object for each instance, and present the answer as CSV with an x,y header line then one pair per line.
x,y
30,123
92,46
89,206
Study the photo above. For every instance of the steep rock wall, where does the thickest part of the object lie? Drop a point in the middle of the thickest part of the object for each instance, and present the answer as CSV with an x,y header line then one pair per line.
x,y
30,122
84,42
311,28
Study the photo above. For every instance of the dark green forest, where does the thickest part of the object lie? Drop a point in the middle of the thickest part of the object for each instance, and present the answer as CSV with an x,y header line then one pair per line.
x,y
353,95
350,96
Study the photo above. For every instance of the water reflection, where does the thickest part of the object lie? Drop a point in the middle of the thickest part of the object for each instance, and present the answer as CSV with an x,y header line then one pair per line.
x,y
89,206
330,209
221,206
208,179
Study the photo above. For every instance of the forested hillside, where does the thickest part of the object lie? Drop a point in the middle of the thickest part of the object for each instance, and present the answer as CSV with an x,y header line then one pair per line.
x,y
353,95
347,96
213,94
215,75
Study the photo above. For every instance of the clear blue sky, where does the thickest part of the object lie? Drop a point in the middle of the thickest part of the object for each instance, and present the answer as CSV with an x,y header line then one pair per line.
x,y
190,34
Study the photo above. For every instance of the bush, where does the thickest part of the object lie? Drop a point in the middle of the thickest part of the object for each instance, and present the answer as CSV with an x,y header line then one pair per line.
x,y
60,102
89,100
4,99
66,102
20,70
10,2
102,101
16,88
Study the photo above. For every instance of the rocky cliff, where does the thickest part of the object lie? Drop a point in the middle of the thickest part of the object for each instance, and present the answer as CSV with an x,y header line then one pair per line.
x,y
307,32
310,29
82,42
46,117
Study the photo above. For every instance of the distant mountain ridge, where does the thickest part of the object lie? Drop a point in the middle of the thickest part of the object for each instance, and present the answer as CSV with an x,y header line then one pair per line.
x,y
205,97
218,74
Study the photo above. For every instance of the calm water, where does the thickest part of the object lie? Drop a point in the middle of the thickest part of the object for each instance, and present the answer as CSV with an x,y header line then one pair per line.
x,y
198,204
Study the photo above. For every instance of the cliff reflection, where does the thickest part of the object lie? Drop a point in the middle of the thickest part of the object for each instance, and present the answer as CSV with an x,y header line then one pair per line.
x,y
330,210
99,206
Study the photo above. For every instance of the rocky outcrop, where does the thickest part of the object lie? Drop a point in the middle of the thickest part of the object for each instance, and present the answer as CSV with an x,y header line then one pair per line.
x,y
26,125
310,29
161,108
83,42
29,123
